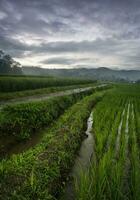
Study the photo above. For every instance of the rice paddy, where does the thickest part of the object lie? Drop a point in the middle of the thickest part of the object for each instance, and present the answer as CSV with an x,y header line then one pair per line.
x,y
114,172
97,128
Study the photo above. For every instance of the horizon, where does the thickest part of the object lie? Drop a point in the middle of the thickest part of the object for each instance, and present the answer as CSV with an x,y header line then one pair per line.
x,y
72,34
86,68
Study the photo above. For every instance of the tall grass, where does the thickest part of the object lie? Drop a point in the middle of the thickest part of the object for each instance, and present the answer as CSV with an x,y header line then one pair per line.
x,y
13,84
114,176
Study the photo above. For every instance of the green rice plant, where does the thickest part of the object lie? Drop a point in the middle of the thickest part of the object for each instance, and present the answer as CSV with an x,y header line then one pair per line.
x,y
135,157
21,83
114,176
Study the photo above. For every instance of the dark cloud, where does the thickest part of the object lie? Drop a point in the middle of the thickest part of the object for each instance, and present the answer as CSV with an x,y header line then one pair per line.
x,y
98,46
106,29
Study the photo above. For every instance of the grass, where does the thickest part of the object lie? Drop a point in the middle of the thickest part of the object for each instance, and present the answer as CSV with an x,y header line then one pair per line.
x,y
22,120
114,175
21,83
43,91
40,172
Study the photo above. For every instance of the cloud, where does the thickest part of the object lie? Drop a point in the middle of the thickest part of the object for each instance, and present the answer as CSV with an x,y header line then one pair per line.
x,y
2,15
65,60
101,32
58,61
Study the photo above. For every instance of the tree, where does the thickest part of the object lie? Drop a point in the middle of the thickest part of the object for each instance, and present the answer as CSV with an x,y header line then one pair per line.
x,y
8,65
16,68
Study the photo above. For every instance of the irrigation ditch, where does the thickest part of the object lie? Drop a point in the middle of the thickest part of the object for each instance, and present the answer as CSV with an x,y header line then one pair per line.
x,y
9,144
82,161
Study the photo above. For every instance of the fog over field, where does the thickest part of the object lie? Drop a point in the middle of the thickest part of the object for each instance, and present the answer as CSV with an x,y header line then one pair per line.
x,y
72,34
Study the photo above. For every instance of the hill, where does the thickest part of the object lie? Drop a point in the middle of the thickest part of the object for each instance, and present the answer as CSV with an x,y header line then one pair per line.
x,y
94,73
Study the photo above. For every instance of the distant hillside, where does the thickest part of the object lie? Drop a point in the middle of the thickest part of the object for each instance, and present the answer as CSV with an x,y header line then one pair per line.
x,y
98,73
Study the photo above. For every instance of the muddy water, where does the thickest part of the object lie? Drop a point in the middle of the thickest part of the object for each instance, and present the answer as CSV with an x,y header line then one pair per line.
x,y
82,161
48,96
11,146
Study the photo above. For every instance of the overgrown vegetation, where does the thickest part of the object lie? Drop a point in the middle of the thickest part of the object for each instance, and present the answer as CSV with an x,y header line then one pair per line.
x,y
21,120
40,172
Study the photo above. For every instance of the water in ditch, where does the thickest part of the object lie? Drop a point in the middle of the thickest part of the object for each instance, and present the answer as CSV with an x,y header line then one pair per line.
x,y
82,161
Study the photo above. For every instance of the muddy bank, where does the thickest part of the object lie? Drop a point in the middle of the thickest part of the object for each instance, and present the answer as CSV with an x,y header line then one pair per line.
x,y
9,145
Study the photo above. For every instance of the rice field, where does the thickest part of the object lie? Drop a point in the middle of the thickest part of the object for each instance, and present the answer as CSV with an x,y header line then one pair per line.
x,y
114,172
87,146
22,83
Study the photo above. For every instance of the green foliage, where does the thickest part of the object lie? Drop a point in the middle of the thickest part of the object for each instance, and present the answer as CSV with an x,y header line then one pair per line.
x,y
43,91
21,83
114,173
9,65
39,172
24,119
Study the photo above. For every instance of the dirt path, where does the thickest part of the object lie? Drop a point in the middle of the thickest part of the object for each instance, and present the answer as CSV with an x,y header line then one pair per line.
x,y
48,96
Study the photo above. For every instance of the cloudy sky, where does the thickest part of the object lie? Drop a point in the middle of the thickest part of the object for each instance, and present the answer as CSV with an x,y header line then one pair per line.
x,y
72,33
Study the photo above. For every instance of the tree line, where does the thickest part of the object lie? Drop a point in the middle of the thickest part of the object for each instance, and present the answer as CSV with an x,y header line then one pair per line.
x,y
8,65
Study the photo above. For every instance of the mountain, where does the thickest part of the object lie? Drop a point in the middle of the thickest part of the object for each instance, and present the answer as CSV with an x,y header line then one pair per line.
x,y
101,73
